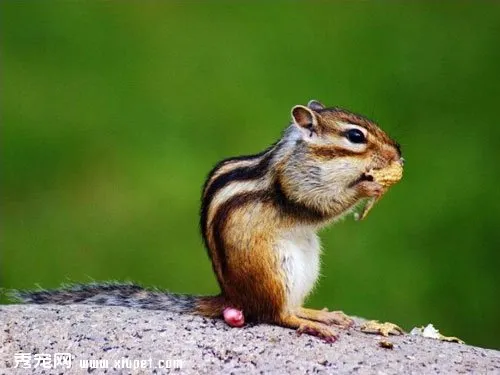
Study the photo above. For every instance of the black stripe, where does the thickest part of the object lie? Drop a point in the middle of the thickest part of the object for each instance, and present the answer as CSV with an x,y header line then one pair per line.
x,y
220,219
232,159
330,152
294,209
237,174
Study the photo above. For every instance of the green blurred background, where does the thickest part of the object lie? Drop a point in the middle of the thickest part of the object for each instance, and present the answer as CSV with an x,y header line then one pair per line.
x,y
113,113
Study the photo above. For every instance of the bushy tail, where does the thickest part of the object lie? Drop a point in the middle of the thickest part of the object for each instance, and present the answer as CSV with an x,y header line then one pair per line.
x,y
125,295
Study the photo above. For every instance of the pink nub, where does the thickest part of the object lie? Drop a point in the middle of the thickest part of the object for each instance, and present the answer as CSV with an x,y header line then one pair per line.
x,y
233,317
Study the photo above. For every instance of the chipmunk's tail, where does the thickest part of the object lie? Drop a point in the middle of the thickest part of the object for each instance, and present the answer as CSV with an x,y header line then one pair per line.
x,y
125,295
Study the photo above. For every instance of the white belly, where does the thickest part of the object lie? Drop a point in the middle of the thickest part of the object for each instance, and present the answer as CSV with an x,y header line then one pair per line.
x,y
299,252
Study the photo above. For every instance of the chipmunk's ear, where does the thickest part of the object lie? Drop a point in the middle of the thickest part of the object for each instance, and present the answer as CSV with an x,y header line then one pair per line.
x,y
306,119
315,105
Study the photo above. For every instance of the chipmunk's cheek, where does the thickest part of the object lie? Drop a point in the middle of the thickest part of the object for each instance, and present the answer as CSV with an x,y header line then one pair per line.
x,y
233,317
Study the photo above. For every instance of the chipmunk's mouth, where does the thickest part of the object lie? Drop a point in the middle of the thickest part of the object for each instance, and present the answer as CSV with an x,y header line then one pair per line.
x,y
363,177
366,176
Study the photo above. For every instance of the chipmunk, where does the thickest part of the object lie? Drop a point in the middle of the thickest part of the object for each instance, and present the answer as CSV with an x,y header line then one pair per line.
x,y
259,218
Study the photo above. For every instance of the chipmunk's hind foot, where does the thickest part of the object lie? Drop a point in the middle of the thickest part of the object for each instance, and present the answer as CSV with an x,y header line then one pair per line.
x,y
308,327
327,317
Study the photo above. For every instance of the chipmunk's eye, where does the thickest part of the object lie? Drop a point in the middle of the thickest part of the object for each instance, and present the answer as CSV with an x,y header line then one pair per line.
x,y
355,136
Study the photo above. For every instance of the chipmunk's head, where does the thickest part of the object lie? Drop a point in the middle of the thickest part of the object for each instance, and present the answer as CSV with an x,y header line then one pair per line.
x,y
334,149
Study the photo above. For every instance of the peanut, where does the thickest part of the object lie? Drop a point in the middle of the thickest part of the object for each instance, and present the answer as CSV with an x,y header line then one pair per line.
x,y
386,177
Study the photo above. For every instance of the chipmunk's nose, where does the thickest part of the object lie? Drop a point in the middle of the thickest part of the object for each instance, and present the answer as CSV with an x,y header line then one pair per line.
x,y
392,154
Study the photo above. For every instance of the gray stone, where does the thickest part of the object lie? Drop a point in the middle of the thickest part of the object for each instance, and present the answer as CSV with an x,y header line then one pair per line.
x,y
206,346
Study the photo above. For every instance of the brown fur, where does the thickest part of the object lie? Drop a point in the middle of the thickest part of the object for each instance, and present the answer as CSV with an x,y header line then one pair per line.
x,y
210,306
248,274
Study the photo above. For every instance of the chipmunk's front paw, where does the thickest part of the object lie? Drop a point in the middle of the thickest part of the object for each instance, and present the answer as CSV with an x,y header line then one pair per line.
x,y
369,189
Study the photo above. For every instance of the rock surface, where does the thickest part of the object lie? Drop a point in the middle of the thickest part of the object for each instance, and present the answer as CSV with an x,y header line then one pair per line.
x,y
123,340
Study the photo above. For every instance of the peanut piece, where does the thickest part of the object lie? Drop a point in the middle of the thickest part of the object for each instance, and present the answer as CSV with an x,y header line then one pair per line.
x,y
388,176
385,177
